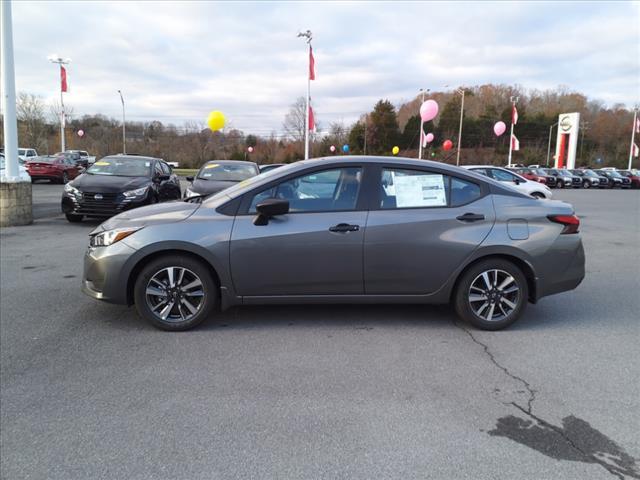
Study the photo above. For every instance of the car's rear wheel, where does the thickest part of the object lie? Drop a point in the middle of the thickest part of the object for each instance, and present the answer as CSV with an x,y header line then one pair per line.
x,y
492,294
538,195
73,218
175,293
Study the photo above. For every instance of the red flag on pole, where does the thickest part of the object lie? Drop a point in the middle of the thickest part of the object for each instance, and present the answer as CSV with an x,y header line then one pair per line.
x,y
63,79
515,143
312,65
514,115
312,122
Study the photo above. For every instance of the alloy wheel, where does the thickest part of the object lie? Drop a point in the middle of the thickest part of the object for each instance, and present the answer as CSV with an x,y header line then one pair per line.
x,y
494,295
175,294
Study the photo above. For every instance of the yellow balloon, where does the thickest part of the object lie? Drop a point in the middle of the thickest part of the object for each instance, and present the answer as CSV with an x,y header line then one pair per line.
x,y
395,150
215,120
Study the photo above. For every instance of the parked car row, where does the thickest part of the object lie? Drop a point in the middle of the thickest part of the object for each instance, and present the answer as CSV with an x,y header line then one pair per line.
x,y
580,178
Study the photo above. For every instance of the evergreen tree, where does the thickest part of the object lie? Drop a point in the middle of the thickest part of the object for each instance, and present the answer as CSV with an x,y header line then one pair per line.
x,y
385,132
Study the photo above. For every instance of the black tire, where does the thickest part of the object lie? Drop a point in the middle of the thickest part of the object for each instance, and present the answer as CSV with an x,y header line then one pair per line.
x,y
65,178
462,302
73,218
210,293
586,184
538,195
559,184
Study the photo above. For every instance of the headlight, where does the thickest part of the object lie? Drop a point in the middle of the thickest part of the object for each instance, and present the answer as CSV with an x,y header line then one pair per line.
x,y
109,237
71,189
190,193
138,192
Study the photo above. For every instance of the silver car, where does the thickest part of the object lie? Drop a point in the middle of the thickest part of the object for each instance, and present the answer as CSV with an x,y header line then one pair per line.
x,y
340,230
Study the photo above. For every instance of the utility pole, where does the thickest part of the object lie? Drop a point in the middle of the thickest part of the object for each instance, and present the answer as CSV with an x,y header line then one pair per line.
x,y
584,126
124,131
63,118
308,36
9,93
549,145
366,118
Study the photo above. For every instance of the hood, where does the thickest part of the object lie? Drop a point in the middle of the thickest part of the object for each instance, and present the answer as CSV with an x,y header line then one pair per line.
x,y
169,212
206,187
108,184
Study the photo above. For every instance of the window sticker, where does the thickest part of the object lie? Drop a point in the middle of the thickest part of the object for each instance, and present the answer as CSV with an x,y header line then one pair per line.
x,y
213,165
102,164
420,191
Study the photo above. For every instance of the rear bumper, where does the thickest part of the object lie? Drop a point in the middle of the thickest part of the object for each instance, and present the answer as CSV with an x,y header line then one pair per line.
x,y
566,275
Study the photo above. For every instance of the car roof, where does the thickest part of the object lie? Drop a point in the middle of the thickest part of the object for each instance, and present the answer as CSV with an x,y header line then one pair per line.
x,y
132,157
230,162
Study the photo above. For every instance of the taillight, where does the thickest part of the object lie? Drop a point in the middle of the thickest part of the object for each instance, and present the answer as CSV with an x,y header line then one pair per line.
x,y
571,222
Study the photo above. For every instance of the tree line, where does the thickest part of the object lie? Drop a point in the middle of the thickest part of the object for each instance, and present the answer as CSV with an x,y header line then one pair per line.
x,y
604,136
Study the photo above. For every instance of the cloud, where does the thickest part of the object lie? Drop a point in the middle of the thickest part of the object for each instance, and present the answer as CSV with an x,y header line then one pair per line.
x,y
176,61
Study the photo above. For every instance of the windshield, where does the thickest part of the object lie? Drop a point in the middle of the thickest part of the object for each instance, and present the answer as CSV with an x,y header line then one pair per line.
x,y
121,167
539,171
227,172
22,151
613,173
589,173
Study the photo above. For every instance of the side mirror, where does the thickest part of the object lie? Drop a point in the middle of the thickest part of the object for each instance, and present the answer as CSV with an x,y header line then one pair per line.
x,y
190,179
517,181
162,178
270,208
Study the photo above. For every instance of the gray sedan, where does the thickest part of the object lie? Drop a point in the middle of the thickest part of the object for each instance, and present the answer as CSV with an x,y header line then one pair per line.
x,y
340,230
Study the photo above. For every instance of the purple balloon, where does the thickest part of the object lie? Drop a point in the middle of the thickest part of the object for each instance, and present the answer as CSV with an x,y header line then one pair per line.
x,y
499,128
428,110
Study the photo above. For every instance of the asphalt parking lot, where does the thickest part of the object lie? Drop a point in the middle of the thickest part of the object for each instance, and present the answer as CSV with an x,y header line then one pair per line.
x,y
91,391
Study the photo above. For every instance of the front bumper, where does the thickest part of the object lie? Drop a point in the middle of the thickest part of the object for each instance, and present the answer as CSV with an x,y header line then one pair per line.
x,y
109,205
104,276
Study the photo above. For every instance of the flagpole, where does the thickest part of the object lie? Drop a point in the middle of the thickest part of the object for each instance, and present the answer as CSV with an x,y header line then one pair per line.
x,y
460,130
421,128
633,135
306,117
61,61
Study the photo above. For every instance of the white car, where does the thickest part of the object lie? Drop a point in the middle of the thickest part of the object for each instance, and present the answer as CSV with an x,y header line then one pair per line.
x,y
535,189
23,171
26,154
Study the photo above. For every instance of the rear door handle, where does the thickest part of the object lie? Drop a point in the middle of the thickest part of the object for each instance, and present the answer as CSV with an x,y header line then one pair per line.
x,y
344,227
470,217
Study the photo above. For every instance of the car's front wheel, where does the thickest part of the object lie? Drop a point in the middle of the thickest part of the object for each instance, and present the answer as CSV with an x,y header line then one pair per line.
x,y
65,178
175,293
538,195
492,294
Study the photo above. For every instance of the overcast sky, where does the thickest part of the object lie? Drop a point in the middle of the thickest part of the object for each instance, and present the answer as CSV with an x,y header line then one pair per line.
x,y
176,61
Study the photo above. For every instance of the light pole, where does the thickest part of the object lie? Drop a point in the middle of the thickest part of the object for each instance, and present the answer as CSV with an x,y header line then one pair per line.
x,y
549,145
124,131
54,58
422,91
633,136
513,101
9,93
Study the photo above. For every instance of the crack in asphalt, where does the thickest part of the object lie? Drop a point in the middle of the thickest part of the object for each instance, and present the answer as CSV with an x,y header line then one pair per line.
x,y
530,390
626,466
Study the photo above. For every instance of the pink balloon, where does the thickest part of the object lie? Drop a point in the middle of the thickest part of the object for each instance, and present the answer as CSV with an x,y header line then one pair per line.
x,y
429,137
250,149
80,133
499,128
332,148
428,110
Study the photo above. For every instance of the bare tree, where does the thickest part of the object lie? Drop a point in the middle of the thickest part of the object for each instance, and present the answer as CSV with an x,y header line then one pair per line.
x,y
56,113
294,121
30,113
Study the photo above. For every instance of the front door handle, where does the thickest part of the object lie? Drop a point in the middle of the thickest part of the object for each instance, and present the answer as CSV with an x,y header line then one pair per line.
x,y
470,217
344,227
